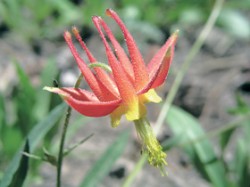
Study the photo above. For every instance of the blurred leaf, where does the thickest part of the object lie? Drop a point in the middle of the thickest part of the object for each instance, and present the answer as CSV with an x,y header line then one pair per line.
x,y
10,11
19,169
40,9
105,163
144,31
242,5
68,12
24,81
2,115
246,132
225,138
45,18
10,144
91,8
241,108
25,100
49,72
42,128
201,152
191,16
34,137
43,98
235,23
241,164
130,12
22,169
171,142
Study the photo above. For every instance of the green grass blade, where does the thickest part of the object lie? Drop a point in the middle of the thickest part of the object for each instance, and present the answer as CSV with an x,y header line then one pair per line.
x,y
41,129
240,163
24,80
200,151
225,138
2,115
106,161
34,137
22,170
25,99
43,98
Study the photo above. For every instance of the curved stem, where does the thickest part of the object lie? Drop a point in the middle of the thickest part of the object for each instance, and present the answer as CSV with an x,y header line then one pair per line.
x,y
62,140
166,105
100,65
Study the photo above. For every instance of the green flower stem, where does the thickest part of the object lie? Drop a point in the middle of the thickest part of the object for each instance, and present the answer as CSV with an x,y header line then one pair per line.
x,y
62,140
194,50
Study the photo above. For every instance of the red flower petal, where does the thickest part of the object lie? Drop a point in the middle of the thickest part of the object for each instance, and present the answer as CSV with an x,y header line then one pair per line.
x,y
101,74
83,45
93,108
125,87
122,56
159,66
140,70
99,90
160,75
76,93
85,102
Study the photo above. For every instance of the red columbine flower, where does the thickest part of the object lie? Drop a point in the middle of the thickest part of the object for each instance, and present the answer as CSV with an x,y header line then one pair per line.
x,y
125,89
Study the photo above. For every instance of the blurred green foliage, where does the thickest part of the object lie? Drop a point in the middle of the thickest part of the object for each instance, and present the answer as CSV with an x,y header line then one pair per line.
x,y
27,106
239,168
17,168
49,18
213,165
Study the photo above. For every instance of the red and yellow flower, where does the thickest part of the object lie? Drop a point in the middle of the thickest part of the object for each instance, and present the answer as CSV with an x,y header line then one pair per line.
x,y
130,84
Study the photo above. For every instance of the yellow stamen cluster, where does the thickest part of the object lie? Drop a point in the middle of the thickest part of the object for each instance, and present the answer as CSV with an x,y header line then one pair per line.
x,y
151,146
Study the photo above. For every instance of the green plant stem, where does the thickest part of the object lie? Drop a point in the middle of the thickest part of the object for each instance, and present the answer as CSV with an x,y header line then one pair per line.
x,y
166,105
60,153
62,140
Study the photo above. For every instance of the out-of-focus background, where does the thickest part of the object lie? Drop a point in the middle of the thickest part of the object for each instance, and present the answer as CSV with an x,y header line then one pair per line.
x,y
206,134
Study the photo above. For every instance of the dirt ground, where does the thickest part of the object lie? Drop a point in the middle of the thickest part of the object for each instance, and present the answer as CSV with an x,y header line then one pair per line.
x,y
208,91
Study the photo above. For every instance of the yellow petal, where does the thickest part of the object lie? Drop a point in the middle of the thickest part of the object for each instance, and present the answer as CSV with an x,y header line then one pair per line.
x,y
151,96
116,116
135,110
